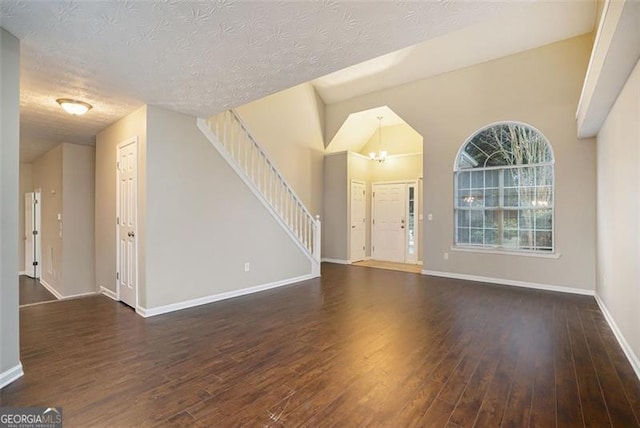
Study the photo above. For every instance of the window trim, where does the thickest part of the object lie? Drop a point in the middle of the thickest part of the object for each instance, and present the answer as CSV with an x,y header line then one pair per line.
x,y
496,249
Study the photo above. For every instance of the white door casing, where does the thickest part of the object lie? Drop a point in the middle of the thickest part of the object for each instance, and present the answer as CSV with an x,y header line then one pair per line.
x,y
389,222
126,222
29,241
358,220
32,234
38,231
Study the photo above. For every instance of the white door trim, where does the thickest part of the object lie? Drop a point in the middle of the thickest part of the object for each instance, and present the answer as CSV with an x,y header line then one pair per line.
x,y
132,140
32,242
29,238
364,184
37,193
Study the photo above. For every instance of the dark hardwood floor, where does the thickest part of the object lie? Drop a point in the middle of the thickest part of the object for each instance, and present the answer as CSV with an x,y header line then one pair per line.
x,y
31,291
358,347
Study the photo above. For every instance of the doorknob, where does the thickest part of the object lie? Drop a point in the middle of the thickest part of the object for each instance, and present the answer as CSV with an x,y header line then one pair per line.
x,y
353,227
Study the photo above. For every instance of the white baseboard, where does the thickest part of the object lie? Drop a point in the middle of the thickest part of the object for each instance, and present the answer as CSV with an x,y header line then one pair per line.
x,y
49,287
75,296
338,261
10,375
59,296
631,356
110,294
24,272
150,312
501,281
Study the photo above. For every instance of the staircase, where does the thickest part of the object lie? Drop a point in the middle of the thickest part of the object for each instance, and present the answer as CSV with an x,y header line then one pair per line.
x,y
231,137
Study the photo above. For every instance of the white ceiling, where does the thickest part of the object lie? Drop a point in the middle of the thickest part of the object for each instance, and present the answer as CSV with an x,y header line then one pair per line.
x,y
199,57
526,26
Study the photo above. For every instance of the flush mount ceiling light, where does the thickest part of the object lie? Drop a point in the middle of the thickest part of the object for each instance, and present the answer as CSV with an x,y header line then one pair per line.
x,y
74,107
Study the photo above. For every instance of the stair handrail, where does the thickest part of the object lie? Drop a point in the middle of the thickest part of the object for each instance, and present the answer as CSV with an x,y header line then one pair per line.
x,y
232,134
266,156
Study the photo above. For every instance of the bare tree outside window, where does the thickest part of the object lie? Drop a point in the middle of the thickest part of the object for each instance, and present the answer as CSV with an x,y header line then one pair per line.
x,y
504,189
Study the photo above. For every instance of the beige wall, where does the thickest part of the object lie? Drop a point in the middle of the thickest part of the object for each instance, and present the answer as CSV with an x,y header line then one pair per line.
x,y
65,175
599,9
133,125
540,87
47,176
289,125
335,233
9,142
204,223
618,283
396,140
25,186
397,168
78,182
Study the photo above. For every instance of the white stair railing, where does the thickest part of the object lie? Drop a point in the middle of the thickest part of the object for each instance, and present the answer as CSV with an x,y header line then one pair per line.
x,y
228,133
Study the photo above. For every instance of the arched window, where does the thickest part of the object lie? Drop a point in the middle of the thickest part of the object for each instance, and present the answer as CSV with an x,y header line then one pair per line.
x,y
504,189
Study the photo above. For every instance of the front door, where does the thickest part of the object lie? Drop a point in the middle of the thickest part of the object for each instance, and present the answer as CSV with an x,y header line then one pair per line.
x,y
127,203
389,222
358,220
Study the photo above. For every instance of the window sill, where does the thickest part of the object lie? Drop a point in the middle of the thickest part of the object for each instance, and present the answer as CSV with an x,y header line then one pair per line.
x,y
506,253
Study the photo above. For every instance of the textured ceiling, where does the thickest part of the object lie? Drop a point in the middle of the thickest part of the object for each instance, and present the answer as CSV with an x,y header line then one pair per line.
x,y
526,25
199,57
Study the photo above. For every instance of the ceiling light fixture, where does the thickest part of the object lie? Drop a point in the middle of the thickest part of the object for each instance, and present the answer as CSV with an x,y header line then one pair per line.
x,y
382,154
74,107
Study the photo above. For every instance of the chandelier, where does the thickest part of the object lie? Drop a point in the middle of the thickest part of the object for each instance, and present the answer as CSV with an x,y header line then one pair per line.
x,y
382,154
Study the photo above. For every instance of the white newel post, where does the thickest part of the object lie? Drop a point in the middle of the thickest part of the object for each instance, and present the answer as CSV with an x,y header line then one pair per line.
x,y
317,245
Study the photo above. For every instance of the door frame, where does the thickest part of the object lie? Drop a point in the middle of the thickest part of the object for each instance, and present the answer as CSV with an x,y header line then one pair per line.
x,y
132,140
37,194
364,183
35,222
416,209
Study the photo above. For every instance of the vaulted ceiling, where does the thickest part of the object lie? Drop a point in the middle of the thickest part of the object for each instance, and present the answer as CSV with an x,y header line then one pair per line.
x,y
199,57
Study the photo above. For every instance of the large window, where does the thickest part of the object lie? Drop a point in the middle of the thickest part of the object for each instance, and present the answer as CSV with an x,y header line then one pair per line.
x,y
504,190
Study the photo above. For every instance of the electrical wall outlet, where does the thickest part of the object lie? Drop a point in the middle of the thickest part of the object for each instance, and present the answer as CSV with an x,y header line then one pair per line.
x,y
247,267
446,256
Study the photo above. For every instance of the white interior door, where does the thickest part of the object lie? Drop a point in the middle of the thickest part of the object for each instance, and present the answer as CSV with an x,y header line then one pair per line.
x,y
358,220
29,238
127,203
389,210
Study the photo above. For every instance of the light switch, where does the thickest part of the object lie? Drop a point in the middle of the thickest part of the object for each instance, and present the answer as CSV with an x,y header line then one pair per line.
x,y
430,217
